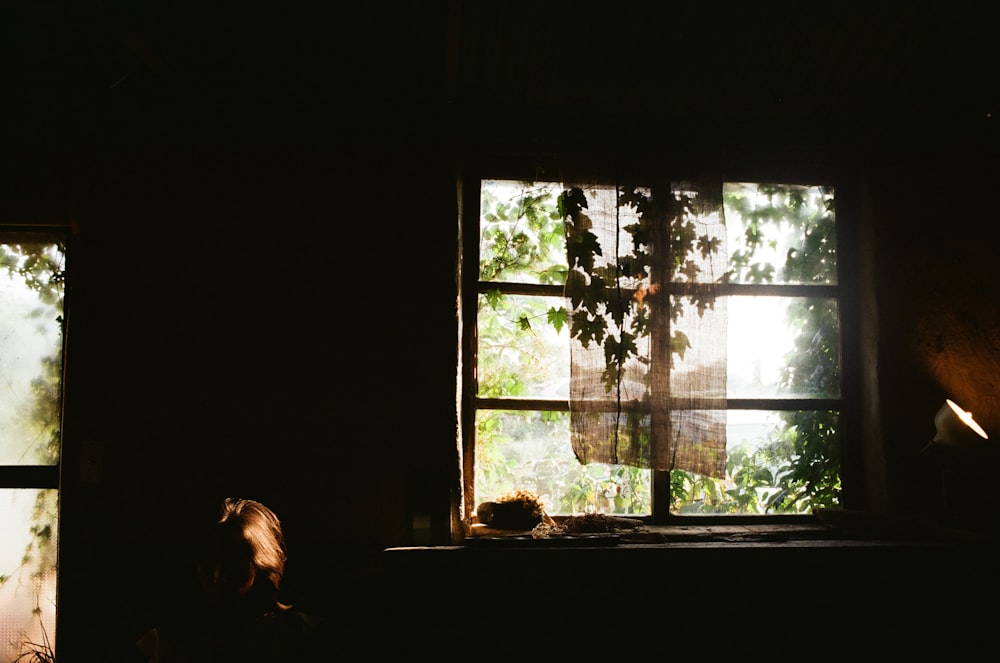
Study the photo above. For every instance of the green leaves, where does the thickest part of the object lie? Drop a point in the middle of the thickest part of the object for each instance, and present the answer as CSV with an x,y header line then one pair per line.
x,y
557,317
521,234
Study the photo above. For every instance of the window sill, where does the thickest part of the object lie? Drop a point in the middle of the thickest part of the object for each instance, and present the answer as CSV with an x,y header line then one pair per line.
x,y
827,528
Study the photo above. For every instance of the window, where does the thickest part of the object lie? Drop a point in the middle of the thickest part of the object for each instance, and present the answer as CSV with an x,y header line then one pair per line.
x,y
651,349
32,273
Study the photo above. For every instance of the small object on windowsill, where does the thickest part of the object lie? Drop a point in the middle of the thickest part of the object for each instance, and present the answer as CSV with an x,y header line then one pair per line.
x,y
519,519
519,510
598,522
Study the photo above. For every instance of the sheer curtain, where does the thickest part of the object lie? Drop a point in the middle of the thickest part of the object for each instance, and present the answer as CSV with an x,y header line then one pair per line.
x,y
648,334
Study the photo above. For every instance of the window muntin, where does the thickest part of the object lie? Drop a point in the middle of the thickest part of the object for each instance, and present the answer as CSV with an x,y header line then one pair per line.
x,y
782,269
32,289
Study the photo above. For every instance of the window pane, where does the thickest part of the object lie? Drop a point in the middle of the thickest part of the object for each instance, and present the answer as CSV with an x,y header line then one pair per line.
x,y
772,348
520,353
31,294
521,233
778,462
531,450
787,347
29,523
780,234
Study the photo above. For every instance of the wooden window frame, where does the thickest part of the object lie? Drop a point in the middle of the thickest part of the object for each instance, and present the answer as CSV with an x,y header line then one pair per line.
x,y
845,291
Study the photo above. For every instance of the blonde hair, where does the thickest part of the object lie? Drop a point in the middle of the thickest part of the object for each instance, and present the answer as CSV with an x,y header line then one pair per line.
x,y
262,531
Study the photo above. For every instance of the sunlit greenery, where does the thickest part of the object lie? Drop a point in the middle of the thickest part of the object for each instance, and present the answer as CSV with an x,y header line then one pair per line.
x,y
792,467
36,263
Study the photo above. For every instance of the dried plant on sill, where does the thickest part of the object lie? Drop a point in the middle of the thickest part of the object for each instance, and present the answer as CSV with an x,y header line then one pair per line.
x,y
588,523
517,510
523,510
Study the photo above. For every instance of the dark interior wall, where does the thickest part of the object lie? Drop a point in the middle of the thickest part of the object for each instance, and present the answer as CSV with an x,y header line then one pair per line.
x,y
264,305
261,320
934,233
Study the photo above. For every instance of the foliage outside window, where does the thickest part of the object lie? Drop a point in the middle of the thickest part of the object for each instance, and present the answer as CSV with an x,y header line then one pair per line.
x,y
32,271
778,287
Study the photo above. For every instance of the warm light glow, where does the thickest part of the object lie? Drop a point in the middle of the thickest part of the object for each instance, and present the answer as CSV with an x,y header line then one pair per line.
x,y
967,419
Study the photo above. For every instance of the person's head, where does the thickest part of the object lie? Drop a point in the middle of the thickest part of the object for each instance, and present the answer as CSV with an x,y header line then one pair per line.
x,y
243,556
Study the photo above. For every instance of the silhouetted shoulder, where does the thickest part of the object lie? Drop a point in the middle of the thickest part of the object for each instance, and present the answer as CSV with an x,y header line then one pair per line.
x,y
284,636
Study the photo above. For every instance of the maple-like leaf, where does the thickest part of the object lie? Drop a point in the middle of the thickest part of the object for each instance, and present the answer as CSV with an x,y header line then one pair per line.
x,y
557,317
